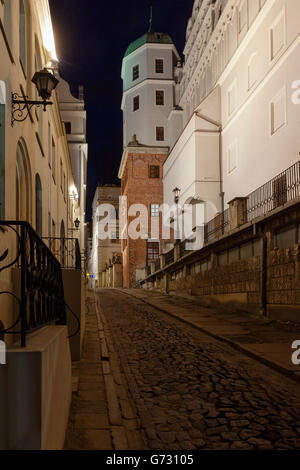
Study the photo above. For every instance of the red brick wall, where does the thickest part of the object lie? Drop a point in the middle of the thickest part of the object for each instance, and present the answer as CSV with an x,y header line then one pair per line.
x,y
139,189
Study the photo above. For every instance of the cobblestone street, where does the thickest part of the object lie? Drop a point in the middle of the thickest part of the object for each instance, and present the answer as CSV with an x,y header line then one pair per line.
x,y
192,391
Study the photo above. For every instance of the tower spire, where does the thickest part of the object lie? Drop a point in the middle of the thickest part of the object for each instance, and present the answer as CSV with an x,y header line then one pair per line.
x,y
151,29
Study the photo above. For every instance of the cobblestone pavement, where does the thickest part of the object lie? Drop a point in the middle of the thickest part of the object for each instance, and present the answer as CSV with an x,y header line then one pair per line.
x,y
192,391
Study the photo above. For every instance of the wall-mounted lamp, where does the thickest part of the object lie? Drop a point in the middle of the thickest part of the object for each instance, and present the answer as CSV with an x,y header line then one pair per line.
x,y
77,225
45,83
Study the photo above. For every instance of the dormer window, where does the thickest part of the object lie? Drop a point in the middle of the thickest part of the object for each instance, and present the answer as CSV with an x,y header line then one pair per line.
x,y
135,72
159,66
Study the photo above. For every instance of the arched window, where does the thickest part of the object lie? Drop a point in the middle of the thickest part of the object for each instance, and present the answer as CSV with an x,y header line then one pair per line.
x,y
38,205
22,34
23,183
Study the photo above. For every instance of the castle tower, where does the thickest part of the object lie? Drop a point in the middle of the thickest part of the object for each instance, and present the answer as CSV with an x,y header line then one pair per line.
x,y
148,73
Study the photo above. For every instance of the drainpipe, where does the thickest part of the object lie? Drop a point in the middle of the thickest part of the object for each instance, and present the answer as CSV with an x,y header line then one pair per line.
x,y
219,126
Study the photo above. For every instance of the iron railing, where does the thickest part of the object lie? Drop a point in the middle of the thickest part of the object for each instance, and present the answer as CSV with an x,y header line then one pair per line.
x,y
41,299
218,226
169,257
66,250
275,193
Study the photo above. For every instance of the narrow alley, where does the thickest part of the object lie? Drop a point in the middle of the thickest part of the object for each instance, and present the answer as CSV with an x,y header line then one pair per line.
x,y
175,387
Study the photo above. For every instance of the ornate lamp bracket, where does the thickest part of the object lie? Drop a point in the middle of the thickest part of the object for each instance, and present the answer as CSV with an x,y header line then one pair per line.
x,y
20,108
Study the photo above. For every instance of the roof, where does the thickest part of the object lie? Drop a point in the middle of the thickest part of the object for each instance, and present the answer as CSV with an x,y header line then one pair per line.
x,y
152,37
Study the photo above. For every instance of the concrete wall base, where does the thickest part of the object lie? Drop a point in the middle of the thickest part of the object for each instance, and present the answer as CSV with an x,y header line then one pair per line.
x,y
35,392
75,294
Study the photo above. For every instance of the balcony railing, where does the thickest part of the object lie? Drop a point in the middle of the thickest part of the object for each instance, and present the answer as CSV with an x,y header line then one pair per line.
x,y
275,193
66,250
157,264
41,299
169,257
218,226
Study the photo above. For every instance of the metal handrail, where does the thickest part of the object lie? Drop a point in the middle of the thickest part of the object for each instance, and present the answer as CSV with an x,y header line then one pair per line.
x,y
66,250
41,291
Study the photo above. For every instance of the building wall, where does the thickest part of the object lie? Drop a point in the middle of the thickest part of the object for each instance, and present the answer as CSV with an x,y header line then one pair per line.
x,y
241,62
140,189
28,147
261,130
103,250
227,273
73,115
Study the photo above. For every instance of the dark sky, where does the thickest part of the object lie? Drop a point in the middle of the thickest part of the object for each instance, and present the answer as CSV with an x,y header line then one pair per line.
x,y
91,39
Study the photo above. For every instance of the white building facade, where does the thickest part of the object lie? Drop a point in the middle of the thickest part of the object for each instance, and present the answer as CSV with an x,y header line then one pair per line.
x,y
236,120
106,243
73,115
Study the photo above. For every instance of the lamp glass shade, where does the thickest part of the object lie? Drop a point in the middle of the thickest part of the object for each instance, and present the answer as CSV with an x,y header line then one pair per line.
x,y
77,223
45,82
176,192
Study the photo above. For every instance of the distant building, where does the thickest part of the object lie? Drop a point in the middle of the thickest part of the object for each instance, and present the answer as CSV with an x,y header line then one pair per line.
x,y
73,115
149,74
105,248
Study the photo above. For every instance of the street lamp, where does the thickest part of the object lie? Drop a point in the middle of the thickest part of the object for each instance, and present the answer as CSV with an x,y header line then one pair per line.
x,y
45,83
176,193
77,224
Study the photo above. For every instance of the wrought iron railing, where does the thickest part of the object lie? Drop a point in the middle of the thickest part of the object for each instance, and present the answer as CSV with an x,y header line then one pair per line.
x,y
218,226
169,257
66,250
41,299
275,193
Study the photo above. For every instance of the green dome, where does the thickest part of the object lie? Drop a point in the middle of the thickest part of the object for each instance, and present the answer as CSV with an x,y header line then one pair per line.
x,y
149,38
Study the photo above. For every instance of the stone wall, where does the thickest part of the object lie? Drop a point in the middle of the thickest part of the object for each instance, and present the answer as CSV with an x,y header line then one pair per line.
x,y
229,272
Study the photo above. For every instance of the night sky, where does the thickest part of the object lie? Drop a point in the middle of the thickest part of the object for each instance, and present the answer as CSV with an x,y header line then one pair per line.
x,y
91,39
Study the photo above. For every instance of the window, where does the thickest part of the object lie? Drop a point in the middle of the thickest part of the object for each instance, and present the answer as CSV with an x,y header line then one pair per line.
x,y
160,98
154,210
152,251
159,66
7,23
38,205
277,36
135,72
68,127
153,171
22,34
136,103
278,113
53,161
160,134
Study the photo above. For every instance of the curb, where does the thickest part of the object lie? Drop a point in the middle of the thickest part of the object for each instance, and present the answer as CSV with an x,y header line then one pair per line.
x,y
237,346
